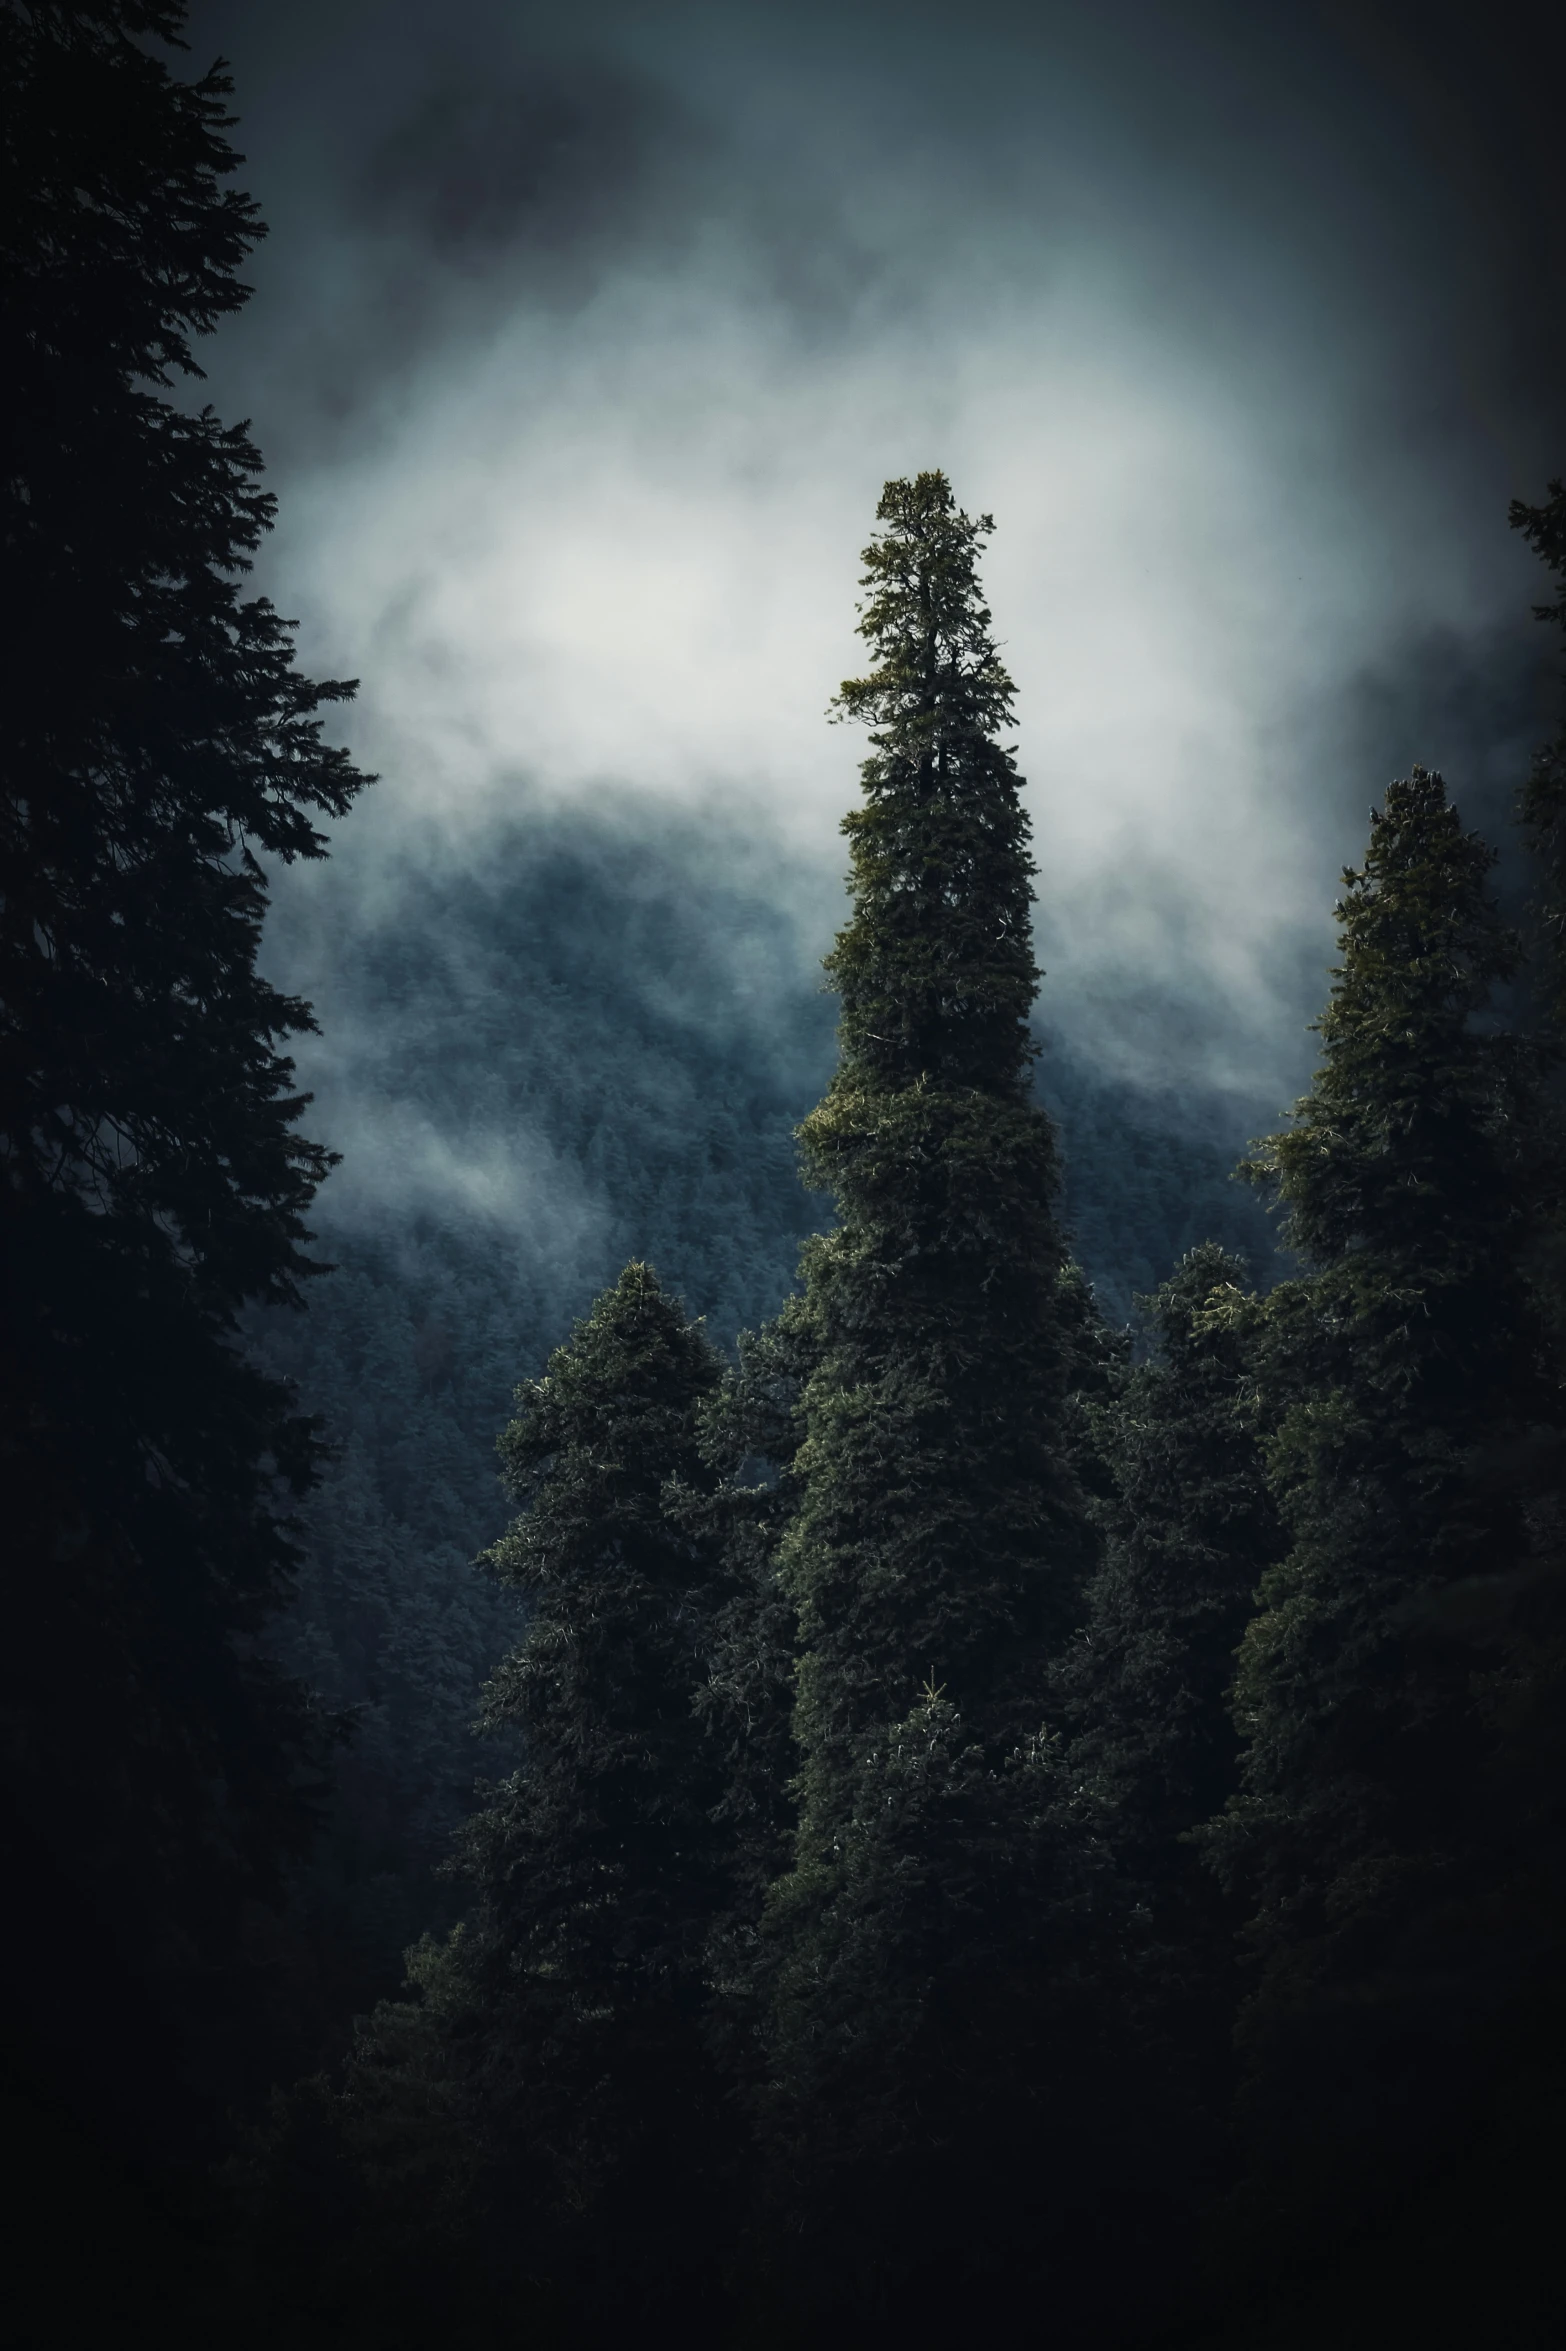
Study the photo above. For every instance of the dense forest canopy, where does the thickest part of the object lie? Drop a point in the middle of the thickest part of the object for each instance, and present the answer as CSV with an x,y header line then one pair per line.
x,y
818,1678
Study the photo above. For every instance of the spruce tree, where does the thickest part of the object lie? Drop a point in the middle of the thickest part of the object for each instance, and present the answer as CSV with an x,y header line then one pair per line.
x,y
1402,1379
937,1554
938,1535
556,2067
158,744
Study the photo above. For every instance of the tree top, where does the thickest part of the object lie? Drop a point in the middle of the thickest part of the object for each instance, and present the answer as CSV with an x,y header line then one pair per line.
x,y
925,617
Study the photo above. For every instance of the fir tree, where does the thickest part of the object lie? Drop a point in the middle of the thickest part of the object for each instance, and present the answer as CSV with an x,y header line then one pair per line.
x,y
939,1545
1398,1379
558,2049
938,1534
158,743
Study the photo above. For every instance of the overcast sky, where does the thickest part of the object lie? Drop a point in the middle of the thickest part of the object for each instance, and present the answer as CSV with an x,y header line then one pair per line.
x,y
585,337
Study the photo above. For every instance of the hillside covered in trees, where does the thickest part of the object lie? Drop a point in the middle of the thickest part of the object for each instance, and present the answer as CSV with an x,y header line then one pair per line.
x,y
791,1677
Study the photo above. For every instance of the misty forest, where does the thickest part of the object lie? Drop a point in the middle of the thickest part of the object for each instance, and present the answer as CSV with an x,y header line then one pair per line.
x,y
702,1649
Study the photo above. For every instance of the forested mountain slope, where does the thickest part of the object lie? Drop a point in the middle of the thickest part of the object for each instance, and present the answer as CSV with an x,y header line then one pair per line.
x,y
588,1040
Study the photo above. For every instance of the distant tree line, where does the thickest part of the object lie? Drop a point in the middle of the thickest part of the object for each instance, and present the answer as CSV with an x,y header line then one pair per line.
x,y
995,1828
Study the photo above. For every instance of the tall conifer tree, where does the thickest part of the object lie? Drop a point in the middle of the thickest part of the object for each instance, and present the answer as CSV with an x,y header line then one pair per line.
x,y
1402,1377
938,1535
939,1547
158,742
548,2108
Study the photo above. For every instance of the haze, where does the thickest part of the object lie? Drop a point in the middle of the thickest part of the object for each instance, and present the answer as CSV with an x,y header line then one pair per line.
x,y
584,340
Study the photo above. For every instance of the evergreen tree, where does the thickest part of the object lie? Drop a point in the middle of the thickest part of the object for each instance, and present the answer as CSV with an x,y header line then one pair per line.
x,y
1399,1378
158,743
939,1546
554,2073
937,1534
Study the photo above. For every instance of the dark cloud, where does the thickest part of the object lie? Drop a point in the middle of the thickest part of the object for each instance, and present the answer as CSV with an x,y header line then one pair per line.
x,y
556,158
1469,705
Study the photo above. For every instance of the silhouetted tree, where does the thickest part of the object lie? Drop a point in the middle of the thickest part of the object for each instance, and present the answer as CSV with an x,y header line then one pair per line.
x,y
158,743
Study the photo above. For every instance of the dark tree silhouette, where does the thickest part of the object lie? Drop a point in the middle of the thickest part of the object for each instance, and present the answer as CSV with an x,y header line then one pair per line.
x,y
547,2109
1402,1381
158,744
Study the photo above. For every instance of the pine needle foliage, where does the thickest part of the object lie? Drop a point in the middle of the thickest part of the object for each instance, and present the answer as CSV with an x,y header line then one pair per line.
x,y
563,2024
1399,1382
596,1860
938,1548
937,1534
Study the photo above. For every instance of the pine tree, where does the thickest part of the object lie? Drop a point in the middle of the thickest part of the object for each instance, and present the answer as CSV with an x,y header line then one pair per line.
x,y
939,1545
1399,1377
158,743
937,1535
558,2051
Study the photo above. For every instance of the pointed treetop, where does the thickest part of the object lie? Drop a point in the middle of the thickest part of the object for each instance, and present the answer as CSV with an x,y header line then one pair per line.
x,y
936,967
926,618
1410,1095
623,1383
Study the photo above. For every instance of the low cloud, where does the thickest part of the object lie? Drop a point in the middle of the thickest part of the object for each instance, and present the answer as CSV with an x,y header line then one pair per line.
x,y
584,347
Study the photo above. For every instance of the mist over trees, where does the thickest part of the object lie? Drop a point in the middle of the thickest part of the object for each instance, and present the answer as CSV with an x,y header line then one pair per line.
x,y
993,1757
